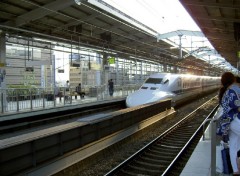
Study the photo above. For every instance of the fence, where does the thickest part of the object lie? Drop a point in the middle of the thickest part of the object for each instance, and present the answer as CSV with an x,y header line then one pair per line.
x,y
16,100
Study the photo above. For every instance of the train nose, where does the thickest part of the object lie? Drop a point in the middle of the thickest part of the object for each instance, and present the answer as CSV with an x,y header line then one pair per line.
x,y
140,97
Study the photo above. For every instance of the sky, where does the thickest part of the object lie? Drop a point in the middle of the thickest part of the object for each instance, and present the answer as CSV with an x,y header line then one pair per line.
x,y
160,15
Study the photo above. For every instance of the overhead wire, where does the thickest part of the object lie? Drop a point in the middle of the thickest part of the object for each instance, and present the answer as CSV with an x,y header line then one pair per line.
x,y
119,5
148,8
155,12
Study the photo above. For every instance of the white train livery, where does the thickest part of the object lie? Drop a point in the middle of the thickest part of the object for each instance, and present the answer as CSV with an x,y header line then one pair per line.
x,y
177,87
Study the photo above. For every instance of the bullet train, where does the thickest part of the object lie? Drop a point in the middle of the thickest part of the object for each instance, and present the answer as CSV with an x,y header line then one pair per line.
x,y
177,87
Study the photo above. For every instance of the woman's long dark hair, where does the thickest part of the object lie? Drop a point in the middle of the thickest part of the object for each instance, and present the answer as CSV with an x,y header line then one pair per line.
x,y
227,79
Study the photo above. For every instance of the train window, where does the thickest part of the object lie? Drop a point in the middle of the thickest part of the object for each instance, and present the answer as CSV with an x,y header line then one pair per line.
x,y
144,87
154,80
166,81
153,88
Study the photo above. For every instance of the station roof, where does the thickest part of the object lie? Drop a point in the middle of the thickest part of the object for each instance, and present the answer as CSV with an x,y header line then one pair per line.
x,y
84,23
65,20
219,20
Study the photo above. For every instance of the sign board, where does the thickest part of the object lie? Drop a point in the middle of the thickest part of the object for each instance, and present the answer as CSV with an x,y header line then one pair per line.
x,y
2,64
238,54
95,66
111,60
29,69
60,70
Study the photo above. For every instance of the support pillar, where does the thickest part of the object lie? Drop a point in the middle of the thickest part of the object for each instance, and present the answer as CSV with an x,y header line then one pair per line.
x,y
165,68
3,86
175,69
209,66
98,72
105,73
180,46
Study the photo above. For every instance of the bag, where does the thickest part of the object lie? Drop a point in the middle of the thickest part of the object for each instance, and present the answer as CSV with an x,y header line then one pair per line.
x,y
238,159
219,162
219,129
227,167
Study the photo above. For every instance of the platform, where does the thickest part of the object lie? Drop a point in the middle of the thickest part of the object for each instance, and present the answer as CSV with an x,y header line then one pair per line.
x,y
199,163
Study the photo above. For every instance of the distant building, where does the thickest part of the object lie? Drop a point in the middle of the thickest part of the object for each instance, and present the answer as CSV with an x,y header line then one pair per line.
x,y
28,65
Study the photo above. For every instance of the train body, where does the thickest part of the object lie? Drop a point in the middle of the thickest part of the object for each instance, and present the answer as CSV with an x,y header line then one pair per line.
x,y
177,87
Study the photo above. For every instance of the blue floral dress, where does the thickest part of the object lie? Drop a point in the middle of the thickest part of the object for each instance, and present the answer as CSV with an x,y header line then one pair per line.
x,y
231,107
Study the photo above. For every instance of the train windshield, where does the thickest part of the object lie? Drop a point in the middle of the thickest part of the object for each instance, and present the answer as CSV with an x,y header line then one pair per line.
x,y
154,81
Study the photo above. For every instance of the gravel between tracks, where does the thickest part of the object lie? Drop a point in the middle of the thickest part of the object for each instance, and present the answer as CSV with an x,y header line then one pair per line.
x,y
104,161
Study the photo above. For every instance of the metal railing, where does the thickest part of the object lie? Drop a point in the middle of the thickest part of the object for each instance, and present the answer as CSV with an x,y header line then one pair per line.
x,y
15,100
213,138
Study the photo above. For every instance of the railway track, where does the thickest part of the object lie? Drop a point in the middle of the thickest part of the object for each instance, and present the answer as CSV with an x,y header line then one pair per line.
x,y
168,153
63,140
46,149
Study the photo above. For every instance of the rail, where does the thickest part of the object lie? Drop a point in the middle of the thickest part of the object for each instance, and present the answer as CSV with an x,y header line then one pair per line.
x,y
175,146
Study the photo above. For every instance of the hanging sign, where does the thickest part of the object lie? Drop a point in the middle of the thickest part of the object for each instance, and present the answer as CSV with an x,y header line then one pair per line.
x,y
111,60
60,70
238,54
2,64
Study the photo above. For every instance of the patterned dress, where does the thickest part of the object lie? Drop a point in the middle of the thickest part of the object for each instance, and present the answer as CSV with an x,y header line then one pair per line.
x,y
231,107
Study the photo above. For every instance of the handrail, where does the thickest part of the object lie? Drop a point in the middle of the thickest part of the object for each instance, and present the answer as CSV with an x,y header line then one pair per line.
x,y
213,147
215,110
213,128
204,124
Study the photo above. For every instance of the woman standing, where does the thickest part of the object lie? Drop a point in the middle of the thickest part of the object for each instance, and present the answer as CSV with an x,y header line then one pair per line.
x,y
229,97
110,87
